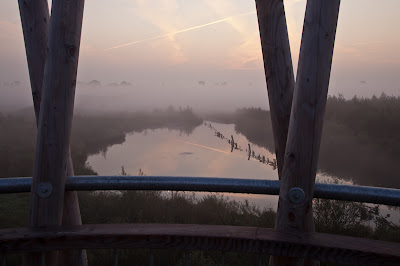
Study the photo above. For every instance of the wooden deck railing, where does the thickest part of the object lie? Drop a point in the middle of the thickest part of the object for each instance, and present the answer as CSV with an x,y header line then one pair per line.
x,y
293,244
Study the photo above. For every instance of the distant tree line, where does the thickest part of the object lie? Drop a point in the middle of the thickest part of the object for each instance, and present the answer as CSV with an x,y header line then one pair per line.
x,y
361,137
91,134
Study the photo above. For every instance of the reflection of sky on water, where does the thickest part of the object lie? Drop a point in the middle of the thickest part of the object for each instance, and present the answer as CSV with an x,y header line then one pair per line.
x,y
167,152
171,153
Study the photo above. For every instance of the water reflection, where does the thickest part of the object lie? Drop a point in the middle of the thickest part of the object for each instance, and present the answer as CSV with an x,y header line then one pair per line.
x,y
206,152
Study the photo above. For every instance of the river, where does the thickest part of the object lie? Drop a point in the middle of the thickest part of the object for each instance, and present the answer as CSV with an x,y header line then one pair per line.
x,y
206,152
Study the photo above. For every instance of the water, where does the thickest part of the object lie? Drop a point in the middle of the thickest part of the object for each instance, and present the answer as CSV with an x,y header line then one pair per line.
x,y
173,153
201,153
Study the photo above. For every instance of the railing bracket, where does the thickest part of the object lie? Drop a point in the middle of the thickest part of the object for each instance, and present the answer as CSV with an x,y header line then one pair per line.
x,y
296,195
44,190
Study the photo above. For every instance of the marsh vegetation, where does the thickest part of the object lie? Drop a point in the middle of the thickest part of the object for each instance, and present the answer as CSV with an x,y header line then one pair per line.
x,y
360,141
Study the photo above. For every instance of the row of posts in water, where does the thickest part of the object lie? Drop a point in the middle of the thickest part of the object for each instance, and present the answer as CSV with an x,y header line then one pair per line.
x,y
235,146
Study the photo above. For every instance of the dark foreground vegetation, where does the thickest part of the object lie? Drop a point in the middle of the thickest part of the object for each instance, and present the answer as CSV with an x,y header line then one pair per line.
x,y
345,218
360,141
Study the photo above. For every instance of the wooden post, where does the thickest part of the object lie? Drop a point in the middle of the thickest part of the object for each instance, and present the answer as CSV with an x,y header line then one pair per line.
x,y
71,216
306,121
278,70
54,124
35,19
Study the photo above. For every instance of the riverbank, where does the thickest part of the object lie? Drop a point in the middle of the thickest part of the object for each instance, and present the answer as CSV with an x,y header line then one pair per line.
x,y
360,140
91,134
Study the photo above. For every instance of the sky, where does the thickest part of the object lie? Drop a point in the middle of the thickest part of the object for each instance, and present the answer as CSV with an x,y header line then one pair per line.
x,y
207,53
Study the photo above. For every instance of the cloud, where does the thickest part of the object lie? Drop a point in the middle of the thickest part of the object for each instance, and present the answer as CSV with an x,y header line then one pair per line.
x,y
9,31
173,33
224,8
246,54
172,18
364,53
295,11
164,15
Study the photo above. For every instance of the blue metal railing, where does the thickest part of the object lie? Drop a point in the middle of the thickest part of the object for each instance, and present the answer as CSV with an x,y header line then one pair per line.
x,y
377,195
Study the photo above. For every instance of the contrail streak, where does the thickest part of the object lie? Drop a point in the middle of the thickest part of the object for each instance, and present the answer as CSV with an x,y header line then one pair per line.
x,y
180,31
205,147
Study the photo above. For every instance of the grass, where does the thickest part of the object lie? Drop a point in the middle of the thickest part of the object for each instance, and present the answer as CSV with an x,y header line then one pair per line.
x,y
336,217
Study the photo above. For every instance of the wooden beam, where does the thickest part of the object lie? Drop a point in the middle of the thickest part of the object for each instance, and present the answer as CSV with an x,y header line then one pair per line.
x,y
306,121
305,129
35,23
71,216
329,248
35,19
278,69
308,111
55,119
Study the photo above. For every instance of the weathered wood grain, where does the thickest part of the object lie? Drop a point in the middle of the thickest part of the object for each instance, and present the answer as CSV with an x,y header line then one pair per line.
x,y
307,114
56,111
35,24
55,117
278,70
71,216
330,248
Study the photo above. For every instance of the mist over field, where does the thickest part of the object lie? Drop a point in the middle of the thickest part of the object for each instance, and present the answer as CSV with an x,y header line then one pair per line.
x,y
126,97
200,95
123,96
